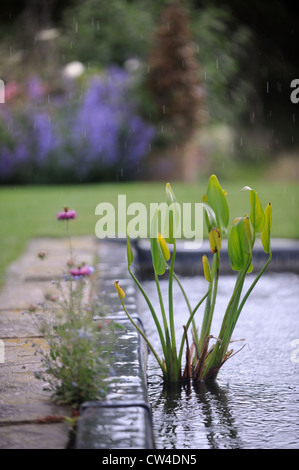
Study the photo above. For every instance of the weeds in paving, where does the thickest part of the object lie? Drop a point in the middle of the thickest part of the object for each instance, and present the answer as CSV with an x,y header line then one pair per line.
x,y
75,359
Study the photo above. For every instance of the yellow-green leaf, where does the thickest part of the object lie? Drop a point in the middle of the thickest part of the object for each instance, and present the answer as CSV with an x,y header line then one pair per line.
x,y
257,216
265,235
164,247
240,244
215,240
206,268
173,219
217,200
158,259
210,216
130,255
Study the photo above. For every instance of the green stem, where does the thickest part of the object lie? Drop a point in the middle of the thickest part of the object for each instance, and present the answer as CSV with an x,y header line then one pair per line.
x,y
187,302
170,298
220,347
69,237
252,286
210,307
145,339
166,330
189,321
157,323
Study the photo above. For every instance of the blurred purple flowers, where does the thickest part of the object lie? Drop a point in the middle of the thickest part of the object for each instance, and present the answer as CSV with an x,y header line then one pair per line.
x,y
91,137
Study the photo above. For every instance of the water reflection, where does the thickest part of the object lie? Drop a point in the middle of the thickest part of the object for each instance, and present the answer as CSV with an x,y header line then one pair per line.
x,y
196,416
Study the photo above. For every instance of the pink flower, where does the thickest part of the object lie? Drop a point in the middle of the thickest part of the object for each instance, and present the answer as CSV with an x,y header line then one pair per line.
x,y
83,271
66,214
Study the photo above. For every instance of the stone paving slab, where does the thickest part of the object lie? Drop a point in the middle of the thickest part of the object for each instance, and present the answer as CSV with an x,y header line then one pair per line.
x,y
14,323
34,436
25,405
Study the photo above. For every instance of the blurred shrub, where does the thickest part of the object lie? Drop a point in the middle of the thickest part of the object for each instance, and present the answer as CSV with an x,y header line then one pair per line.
x,y
99,33
74,137
223,51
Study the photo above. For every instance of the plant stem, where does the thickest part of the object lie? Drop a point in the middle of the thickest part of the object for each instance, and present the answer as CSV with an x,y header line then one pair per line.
x,y
187,302
166,330
252,286
152,310
69,237
210,306
170,298
145,339
190,320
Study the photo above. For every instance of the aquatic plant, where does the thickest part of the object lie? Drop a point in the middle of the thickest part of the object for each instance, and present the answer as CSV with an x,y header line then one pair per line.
x,y
205,362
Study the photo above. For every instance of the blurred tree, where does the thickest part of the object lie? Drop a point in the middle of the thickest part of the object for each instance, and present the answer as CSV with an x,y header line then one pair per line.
x,y
173,79
173,82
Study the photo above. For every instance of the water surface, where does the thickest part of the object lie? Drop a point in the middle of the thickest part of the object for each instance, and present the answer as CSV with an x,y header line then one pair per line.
x,y
255,401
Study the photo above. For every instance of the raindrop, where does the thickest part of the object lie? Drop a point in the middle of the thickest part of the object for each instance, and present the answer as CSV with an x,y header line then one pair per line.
x,y
164,109
217,63
294,118
267,87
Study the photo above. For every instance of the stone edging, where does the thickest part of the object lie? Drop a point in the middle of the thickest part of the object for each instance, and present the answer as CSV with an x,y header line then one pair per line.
x,y
123,420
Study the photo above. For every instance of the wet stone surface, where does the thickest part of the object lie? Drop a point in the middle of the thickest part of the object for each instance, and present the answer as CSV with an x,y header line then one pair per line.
x,y
123,419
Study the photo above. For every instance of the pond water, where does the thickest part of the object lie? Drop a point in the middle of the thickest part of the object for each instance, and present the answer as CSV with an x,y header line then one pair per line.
x,y
255,401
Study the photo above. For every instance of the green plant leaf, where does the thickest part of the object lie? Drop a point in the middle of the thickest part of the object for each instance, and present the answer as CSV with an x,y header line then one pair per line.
x,y
217,200
158,259
240,244
265,235
130,255
257,216
210,215
173,219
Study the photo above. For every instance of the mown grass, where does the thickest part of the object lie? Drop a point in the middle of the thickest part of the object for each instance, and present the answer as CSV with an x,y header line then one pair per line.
x,y
30,211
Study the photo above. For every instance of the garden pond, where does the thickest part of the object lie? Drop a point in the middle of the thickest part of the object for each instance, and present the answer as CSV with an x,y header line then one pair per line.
x,y
254,402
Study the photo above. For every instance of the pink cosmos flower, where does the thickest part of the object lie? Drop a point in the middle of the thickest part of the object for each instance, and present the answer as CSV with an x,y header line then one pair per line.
x,y
66,214
83,271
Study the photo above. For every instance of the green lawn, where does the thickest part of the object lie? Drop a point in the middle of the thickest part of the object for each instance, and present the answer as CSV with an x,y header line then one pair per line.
x,y
30,211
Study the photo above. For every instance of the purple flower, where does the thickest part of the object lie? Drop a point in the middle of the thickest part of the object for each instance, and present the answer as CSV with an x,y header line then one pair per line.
x,y
82,271
66,214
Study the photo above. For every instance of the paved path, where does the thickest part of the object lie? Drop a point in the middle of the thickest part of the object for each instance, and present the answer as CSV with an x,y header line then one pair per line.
x,y
24,405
